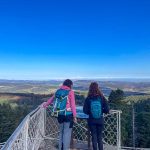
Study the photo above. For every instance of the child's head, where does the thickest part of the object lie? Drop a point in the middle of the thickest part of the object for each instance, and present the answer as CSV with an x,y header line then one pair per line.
x,y
94,90
68,83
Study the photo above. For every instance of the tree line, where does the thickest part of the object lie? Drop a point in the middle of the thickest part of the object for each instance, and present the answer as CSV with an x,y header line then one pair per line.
x,y
135,119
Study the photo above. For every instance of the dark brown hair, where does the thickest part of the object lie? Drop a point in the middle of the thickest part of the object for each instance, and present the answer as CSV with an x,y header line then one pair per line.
x,y
68,83
94,90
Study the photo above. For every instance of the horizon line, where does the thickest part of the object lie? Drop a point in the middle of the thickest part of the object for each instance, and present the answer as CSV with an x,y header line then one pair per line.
x,y
77,78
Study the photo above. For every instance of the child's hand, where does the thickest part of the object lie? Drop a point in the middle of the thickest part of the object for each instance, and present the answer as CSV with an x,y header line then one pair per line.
x,y
44,105
111,111
75,120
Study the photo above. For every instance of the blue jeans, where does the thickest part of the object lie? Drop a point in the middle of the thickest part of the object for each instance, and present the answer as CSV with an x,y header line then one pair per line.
x,y
64,136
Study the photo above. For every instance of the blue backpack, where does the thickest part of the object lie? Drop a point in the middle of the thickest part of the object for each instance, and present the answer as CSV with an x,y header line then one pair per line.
x,y
96,108
60,102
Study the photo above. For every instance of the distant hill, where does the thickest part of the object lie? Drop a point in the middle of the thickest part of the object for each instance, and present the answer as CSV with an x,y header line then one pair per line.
x,y
46,87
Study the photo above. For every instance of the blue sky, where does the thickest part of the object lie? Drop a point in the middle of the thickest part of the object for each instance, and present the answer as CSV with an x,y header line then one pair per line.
x,y
74,38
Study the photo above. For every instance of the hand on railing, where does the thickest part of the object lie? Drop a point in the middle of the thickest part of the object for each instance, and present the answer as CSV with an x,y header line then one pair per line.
x,y
74,119
44,105
111,111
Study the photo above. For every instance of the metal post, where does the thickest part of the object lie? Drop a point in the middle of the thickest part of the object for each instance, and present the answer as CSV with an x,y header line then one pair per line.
x,y
26,134
133,125
44,121
119,131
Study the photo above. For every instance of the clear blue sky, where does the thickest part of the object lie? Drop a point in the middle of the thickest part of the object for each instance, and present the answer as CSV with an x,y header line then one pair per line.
x,y
45,39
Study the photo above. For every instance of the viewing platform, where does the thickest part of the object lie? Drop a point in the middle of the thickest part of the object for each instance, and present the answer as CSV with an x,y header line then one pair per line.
x,y
39,131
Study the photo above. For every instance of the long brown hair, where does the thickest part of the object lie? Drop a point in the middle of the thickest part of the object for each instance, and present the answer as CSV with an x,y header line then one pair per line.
x,y
94,90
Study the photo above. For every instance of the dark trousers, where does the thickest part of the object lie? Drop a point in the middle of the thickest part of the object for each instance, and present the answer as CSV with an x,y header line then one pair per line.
x,y
96,133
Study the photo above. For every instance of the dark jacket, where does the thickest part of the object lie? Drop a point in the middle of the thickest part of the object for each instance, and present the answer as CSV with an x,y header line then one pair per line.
x,y
87,107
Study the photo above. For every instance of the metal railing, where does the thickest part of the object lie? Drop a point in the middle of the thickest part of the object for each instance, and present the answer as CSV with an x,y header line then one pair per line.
x,y
1,145
40,131
134,148
28,133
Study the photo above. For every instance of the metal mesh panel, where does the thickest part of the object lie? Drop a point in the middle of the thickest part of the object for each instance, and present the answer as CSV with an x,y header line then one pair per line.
x,y
35,130
29,133
20,141
111,134
52,126
40,131
1,145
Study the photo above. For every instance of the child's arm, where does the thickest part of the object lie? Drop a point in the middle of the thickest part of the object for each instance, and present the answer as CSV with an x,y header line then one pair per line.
x,y
72,103
49,101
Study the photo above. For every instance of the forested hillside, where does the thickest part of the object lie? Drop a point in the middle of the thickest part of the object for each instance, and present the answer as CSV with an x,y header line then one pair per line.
x,y
135,118
13,108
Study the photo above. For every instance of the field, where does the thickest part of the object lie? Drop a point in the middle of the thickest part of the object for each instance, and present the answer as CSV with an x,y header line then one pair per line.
x,y
47,87
134,90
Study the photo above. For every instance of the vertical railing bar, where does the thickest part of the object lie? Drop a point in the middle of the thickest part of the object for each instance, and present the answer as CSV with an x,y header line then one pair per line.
x,y
45,122
26,133
117,131
119,144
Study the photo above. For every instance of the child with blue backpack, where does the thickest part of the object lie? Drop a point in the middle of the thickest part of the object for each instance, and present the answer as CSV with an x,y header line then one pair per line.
x,y
95,105
63,106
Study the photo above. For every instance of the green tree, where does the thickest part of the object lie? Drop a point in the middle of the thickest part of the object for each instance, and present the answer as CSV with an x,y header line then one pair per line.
x,y
116,96
10,117
143,132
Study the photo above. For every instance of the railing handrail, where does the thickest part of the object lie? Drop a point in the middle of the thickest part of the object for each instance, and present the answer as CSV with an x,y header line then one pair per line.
x,y
134,148
111,112
1,145
15,133
18,129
